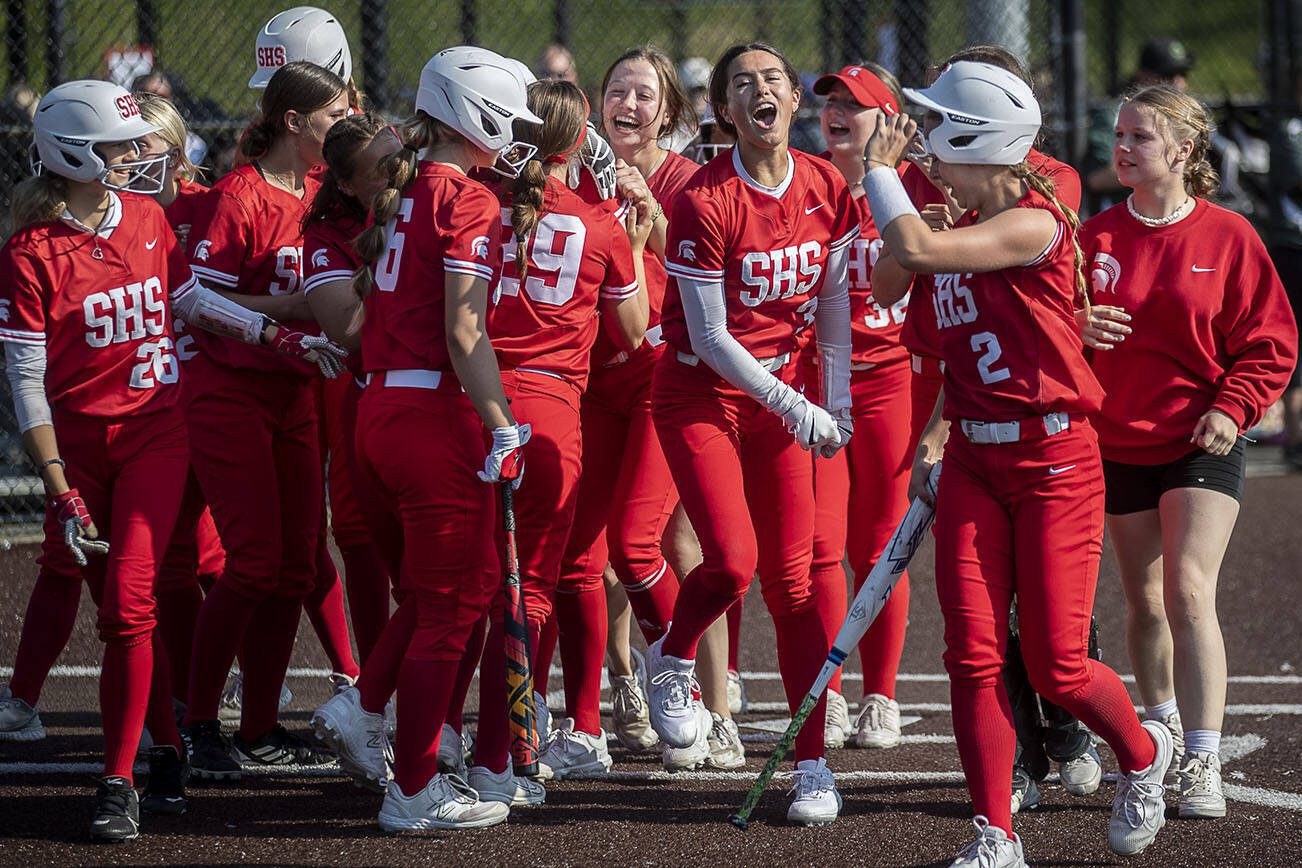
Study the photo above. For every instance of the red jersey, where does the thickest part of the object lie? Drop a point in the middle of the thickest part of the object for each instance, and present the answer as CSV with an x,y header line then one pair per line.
x,y
875,330
104,320
769,247
1212,328
186,208
445,222
1009,337
328,256
578,253
250,241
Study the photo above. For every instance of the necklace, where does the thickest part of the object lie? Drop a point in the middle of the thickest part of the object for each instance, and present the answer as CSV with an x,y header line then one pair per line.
x,y
278,179
1174,217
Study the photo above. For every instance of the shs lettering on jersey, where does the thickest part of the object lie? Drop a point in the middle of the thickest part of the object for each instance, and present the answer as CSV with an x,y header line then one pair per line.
x,y
250,241
767,245
110,346
1009,337
578,254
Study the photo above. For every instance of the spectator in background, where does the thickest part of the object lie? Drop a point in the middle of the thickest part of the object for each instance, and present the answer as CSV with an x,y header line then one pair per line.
x,y
556,62
1163,60
1284,235
16,112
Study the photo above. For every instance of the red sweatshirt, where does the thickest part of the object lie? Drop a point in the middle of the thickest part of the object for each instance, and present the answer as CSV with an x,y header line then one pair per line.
x,y
1212,328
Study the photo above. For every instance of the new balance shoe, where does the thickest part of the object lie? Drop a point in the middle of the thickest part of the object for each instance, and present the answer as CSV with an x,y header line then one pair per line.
x,y
726,751
878,723
1202,795
439,805
1082,775
737,703
673,698
211,758
165,791
357,737
993,848
573,754
836,725
1176,728
1138,809
629,716
817,801
18,720
506,787
117,812
1026,792
280,747
696,754
231,706
452,754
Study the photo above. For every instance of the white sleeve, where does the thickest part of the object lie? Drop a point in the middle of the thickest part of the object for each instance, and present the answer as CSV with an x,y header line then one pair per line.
x,y
706,313
211,311
25,367
832,326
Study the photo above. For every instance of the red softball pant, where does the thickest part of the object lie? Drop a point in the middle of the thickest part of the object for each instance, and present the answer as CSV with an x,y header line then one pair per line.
x,y
130,473
748,490
866,487
1024,518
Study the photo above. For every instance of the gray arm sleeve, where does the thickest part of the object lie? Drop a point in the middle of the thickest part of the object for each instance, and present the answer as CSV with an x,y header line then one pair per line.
x,y
25,367
832,326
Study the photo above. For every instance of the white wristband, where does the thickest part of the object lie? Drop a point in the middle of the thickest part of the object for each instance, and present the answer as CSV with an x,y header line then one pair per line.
x,y
887,198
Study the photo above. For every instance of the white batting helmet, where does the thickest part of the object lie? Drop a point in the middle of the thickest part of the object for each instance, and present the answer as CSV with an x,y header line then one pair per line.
x,y
480,94
302,33
988,115
74,117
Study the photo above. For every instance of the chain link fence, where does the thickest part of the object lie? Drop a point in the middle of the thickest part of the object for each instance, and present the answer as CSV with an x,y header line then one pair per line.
x,y
1244,61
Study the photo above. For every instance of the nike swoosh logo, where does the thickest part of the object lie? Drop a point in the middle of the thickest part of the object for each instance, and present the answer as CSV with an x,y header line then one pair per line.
x,y
809,211
1054,471
1197,270
150,245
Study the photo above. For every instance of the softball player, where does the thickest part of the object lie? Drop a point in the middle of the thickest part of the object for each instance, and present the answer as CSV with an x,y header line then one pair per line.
x,y
91,278
253,426
757,250
435,383
1020,502
1217,345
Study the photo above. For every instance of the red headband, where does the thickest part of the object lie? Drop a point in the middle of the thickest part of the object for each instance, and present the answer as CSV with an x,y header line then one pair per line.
x,y
564,156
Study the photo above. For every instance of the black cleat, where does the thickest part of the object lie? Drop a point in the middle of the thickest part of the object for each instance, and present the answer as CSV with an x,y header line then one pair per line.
x,y
165,792
280,747
117,812
210,754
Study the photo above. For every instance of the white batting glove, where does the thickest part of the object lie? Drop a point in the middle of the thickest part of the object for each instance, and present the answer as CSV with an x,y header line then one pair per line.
x,y
811,425
599,160
505,460
844,428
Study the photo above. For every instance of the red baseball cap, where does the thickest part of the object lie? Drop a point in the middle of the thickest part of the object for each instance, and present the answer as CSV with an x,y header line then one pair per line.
x,y
867,89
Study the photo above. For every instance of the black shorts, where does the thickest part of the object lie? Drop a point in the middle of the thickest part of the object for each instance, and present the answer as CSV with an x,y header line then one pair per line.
x,y
1138,487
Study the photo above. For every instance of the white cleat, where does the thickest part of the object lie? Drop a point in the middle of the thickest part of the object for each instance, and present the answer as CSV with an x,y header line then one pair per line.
x,y
542,718
726,751
1202,795
673,698
697,754
737,703
629,718
836,725
878,723
817,801
357,737
507,787
571,754
452,755
1138,809
339,682
440,805
18,720
1176,728
1081,776
993,848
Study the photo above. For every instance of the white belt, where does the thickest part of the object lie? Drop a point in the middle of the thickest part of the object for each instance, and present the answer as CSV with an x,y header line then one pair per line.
x,y
542,371
771,365
413,378
653,338
986,433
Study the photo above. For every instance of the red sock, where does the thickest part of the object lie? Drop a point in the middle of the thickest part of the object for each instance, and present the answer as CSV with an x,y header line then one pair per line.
x,y
159,716
325,609
223,619
882,645
1103,705
123,694
543,654
583,627
493,738
424,688
367,584
829,593
379,678
268,645
178,614
698,606
47,626
465,674
653,601
734,635
983,729
803,644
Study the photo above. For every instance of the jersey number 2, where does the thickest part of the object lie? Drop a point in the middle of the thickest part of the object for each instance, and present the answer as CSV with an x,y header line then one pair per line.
x,y
988,345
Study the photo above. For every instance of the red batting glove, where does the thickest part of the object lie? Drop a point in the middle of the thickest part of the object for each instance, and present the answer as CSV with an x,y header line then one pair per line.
x,y
79,533
318,349
505,461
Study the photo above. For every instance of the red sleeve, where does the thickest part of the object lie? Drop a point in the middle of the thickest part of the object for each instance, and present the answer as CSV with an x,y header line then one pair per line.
x,y
1066,186
621,278
695,247
22,297
1260,337
468,232
222,242
323,259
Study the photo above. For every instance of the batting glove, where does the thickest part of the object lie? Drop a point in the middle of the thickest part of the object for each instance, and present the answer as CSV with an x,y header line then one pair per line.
x,y
811,425
844,428
505,460
79,533
327,355
599,160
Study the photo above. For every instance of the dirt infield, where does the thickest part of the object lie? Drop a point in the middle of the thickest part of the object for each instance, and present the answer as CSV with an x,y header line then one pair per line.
x,y
905,806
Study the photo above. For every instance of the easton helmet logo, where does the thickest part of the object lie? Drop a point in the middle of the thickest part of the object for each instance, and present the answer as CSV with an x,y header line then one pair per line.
x,y
1104,273
687,250
201,251
506,113
321,259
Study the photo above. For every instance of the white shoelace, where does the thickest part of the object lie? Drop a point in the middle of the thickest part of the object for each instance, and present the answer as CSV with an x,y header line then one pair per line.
x,y
679,687
815,782
1135,795
985,849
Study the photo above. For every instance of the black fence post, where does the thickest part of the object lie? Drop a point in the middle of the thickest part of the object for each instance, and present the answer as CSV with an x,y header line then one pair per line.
x,y
16,41
147,25
469,22
911,18
854,33
56,34
1284,28
375,40
1075,114
561,22
1112,44
678,31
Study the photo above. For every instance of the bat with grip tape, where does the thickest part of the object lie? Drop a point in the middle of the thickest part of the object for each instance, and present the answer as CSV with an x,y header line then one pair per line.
x,y
519,678
865,607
